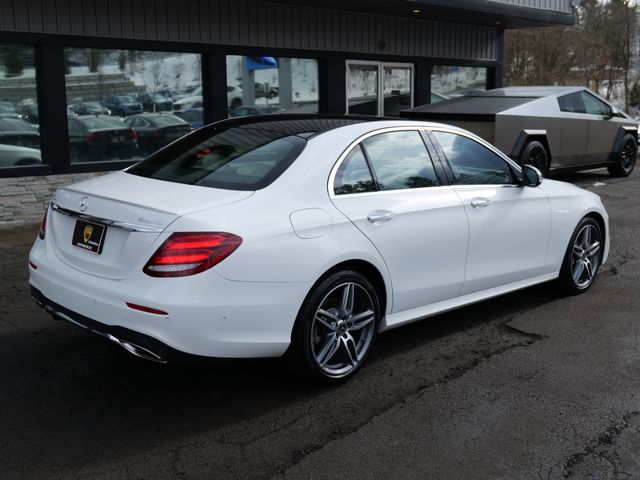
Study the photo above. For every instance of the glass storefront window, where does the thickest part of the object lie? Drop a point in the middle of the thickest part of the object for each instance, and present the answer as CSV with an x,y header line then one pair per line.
x,y
453,81
126,104
19,137
271,85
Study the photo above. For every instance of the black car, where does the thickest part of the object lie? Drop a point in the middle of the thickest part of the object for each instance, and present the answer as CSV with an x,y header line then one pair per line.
x,y
28,112
18,133
155,130
155,103
122,105
94,138
88,108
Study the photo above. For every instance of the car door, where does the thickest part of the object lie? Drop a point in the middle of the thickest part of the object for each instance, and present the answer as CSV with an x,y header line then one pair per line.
x,y
388,187
574,136
602,129
509,225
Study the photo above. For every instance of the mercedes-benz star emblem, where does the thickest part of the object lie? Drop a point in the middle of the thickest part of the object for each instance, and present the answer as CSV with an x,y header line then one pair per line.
x,y
83,203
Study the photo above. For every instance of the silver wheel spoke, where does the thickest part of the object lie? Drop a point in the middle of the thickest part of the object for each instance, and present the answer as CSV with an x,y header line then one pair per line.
x,y
593,249
322,315
586,237
348,294
350,346
578,250
361,320
578,269
328,351
589,268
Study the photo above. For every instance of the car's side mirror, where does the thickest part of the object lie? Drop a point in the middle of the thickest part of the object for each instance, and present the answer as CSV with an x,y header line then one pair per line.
x,y
611,111
531,176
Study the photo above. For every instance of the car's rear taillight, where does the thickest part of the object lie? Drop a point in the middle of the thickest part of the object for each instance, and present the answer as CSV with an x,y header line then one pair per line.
x,y
184,254
43,225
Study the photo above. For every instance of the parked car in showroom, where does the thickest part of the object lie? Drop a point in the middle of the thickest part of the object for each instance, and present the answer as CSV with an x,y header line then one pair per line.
x,y
19,133
155,130
123,105
12,156
155,103
195,116
552,128
88,108
305,236
94,138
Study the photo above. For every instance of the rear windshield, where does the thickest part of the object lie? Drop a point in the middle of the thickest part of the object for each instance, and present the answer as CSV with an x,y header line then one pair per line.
x,y
239,158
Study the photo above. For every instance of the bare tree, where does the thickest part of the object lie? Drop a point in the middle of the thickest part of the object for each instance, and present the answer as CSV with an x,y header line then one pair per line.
x,y
154,75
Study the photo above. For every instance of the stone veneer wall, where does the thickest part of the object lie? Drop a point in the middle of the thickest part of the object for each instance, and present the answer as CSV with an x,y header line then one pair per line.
x,y
23,199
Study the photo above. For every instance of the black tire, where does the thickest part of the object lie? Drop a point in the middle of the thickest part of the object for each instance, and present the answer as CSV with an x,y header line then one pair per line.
x,y
569,280
536,155
625,157
313,339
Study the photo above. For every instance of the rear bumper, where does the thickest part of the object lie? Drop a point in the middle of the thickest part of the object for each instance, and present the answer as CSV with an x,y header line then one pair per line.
x,y
136,343
207,315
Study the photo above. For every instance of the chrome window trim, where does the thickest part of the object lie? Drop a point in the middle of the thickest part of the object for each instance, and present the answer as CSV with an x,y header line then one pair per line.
x,y
130,227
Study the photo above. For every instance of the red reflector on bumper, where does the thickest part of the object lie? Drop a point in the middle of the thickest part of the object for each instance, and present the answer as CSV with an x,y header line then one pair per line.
x,y
146,309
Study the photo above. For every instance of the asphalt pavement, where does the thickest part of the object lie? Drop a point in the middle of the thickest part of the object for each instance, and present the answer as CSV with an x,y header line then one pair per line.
x,y
529,385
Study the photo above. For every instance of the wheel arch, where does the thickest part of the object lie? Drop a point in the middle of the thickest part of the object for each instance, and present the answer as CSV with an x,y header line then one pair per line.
x,y
527,136
622,131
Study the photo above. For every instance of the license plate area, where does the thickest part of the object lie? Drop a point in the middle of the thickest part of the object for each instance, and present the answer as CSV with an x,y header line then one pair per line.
x,y
89,236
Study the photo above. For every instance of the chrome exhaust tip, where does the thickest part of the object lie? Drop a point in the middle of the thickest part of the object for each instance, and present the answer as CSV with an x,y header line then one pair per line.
x,y
137,350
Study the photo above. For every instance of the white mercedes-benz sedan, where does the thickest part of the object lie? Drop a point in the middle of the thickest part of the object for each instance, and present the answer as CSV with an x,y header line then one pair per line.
x,y
305,236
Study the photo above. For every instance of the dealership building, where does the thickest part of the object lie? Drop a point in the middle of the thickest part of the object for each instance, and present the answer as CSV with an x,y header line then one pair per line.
x,y
74,73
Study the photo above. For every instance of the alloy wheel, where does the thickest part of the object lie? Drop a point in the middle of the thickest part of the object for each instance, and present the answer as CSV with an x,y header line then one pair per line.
x,y
628,155
343,329
585,257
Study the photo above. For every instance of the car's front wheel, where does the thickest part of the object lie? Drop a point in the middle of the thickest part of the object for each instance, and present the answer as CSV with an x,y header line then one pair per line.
x,y
583,256
535,154
625,157
336,328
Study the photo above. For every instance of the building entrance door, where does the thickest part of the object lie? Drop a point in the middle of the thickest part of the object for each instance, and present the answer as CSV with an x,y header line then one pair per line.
x,y
379,88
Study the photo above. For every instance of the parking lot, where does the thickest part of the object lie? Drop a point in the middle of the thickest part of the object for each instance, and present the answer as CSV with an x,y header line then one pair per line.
x,y
529,385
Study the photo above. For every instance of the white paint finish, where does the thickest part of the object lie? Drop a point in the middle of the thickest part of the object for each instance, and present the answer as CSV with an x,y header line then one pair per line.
x,y
424,245
509,234
311,222
246,305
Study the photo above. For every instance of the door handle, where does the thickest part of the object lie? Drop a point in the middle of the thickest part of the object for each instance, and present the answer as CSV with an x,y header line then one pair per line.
x,y
480,202
380,216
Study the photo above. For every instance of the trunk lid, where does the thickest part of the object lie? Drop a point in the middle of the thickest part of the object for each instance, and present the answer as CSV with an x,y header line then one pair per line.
x,y
142,209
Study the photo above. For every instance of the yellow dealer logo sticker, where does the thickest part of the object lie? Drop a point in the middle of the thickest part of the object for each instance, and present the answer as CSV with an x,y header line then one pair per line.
x,y
88,230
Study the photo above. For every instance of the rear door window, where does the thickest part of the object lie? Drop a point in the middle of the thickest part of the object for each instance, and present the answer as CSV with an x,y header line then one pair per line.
x,y
572,103
400,160
354,175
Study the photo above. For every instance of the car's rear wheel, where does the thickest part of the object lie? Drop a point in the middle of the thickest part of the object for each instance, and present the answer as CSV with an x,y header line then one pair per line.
x,y
536,155
625,157
336,328
583,256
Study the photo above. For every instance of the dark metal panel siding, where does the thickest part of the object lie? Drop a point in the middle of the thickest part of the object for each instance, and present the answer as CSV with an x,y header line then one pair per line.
x,y
257,23
563,6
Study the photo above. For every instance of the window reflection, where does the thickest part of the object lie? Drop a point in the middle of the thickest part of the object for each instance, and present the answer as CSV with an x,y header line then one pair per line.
x,y
126,104
19,128
453,81
271,85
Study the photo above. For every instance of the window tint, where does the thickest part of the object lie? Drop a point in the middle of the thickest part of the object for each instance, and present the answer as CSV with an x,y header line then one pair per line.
x,y
473,163
400,160
240,158
571,103
593,106
354,175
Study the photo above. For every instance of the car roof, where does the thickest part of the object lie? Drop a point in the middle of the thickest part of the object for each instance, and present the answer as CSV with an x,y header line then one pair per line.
x,y
531,91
